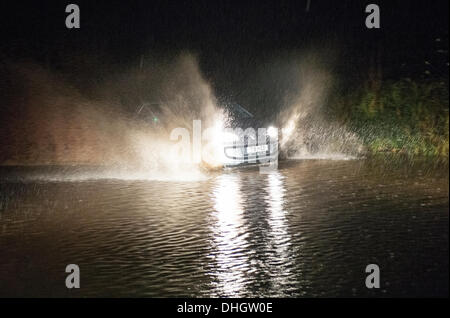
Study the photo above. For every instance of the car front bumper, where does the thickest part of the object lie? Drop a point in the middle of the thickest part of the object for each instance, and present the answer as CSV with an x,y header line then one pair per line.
x,y
243,154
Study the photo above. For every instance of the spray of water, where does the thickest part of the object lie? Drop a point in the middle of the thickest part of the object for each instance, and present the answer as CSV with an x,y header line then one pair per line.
x,y
124,121
306,131
124,126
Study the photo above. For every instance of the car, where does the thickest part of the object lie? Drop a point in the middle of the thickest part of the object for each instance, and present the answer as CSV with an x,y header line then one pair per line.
x,y
243,138
246,140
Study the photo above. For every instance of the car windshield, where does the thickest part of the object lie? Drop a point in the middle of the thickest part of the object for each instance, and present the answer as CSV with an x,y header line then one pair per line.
x,y
237,111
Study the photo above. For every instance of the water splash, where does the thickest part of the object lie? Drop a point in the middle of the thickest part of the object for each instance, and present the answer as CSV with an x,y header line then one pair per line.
x,y
55,123
306,132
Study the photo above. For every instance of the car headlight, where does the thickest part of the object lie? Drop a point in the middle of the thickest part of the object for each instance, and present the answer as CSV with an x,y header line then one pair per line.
x,y
272,132
229,137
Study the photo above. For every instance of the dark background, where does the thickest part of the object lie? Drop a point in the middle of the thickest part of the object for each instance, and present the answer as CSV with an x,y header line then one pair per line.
x,y
237,31
235,42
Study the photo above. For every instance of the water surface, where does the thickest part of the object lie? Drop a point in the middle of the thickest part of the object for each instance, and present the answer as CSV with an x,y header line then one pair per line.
x,y
308,229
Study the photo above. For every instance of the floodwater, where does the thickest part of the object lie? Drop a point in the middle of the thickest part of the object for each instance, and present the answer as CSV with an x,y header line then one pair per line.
x,y
308,229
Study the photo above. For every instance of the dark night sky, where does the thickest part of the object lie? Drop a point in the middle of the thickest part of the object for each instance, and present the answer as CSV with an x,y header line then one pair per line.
x,y
204,23
234,31
246,51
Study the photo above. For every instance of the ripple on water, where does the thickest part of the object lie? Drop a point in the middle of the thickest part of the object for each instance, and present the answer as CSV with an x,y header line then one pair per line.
x,y
308,229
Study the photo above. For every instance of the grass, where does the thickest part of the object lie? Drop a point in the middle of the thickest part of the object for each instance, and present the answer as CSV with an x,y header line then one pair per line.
x,y
402,116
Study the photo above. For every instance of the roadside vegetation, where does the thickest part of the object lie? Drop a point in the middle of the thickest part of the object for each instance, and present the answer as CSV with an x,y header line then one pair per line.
x,y
403,116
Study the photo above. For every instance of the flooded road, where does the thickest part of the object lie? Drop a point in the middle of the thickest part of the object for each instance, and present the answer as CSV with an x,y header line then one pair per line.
x,y
308,229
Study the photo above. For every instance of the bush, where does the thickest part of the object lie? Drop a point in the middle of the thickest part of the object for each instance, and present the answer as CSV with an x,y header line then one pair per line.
x,y
401,116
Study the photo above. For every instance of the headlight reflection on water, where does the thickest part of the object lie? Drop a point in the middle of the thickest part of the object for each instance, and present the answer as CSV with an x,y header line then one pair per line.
x,y
279,243
234,239
229,236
